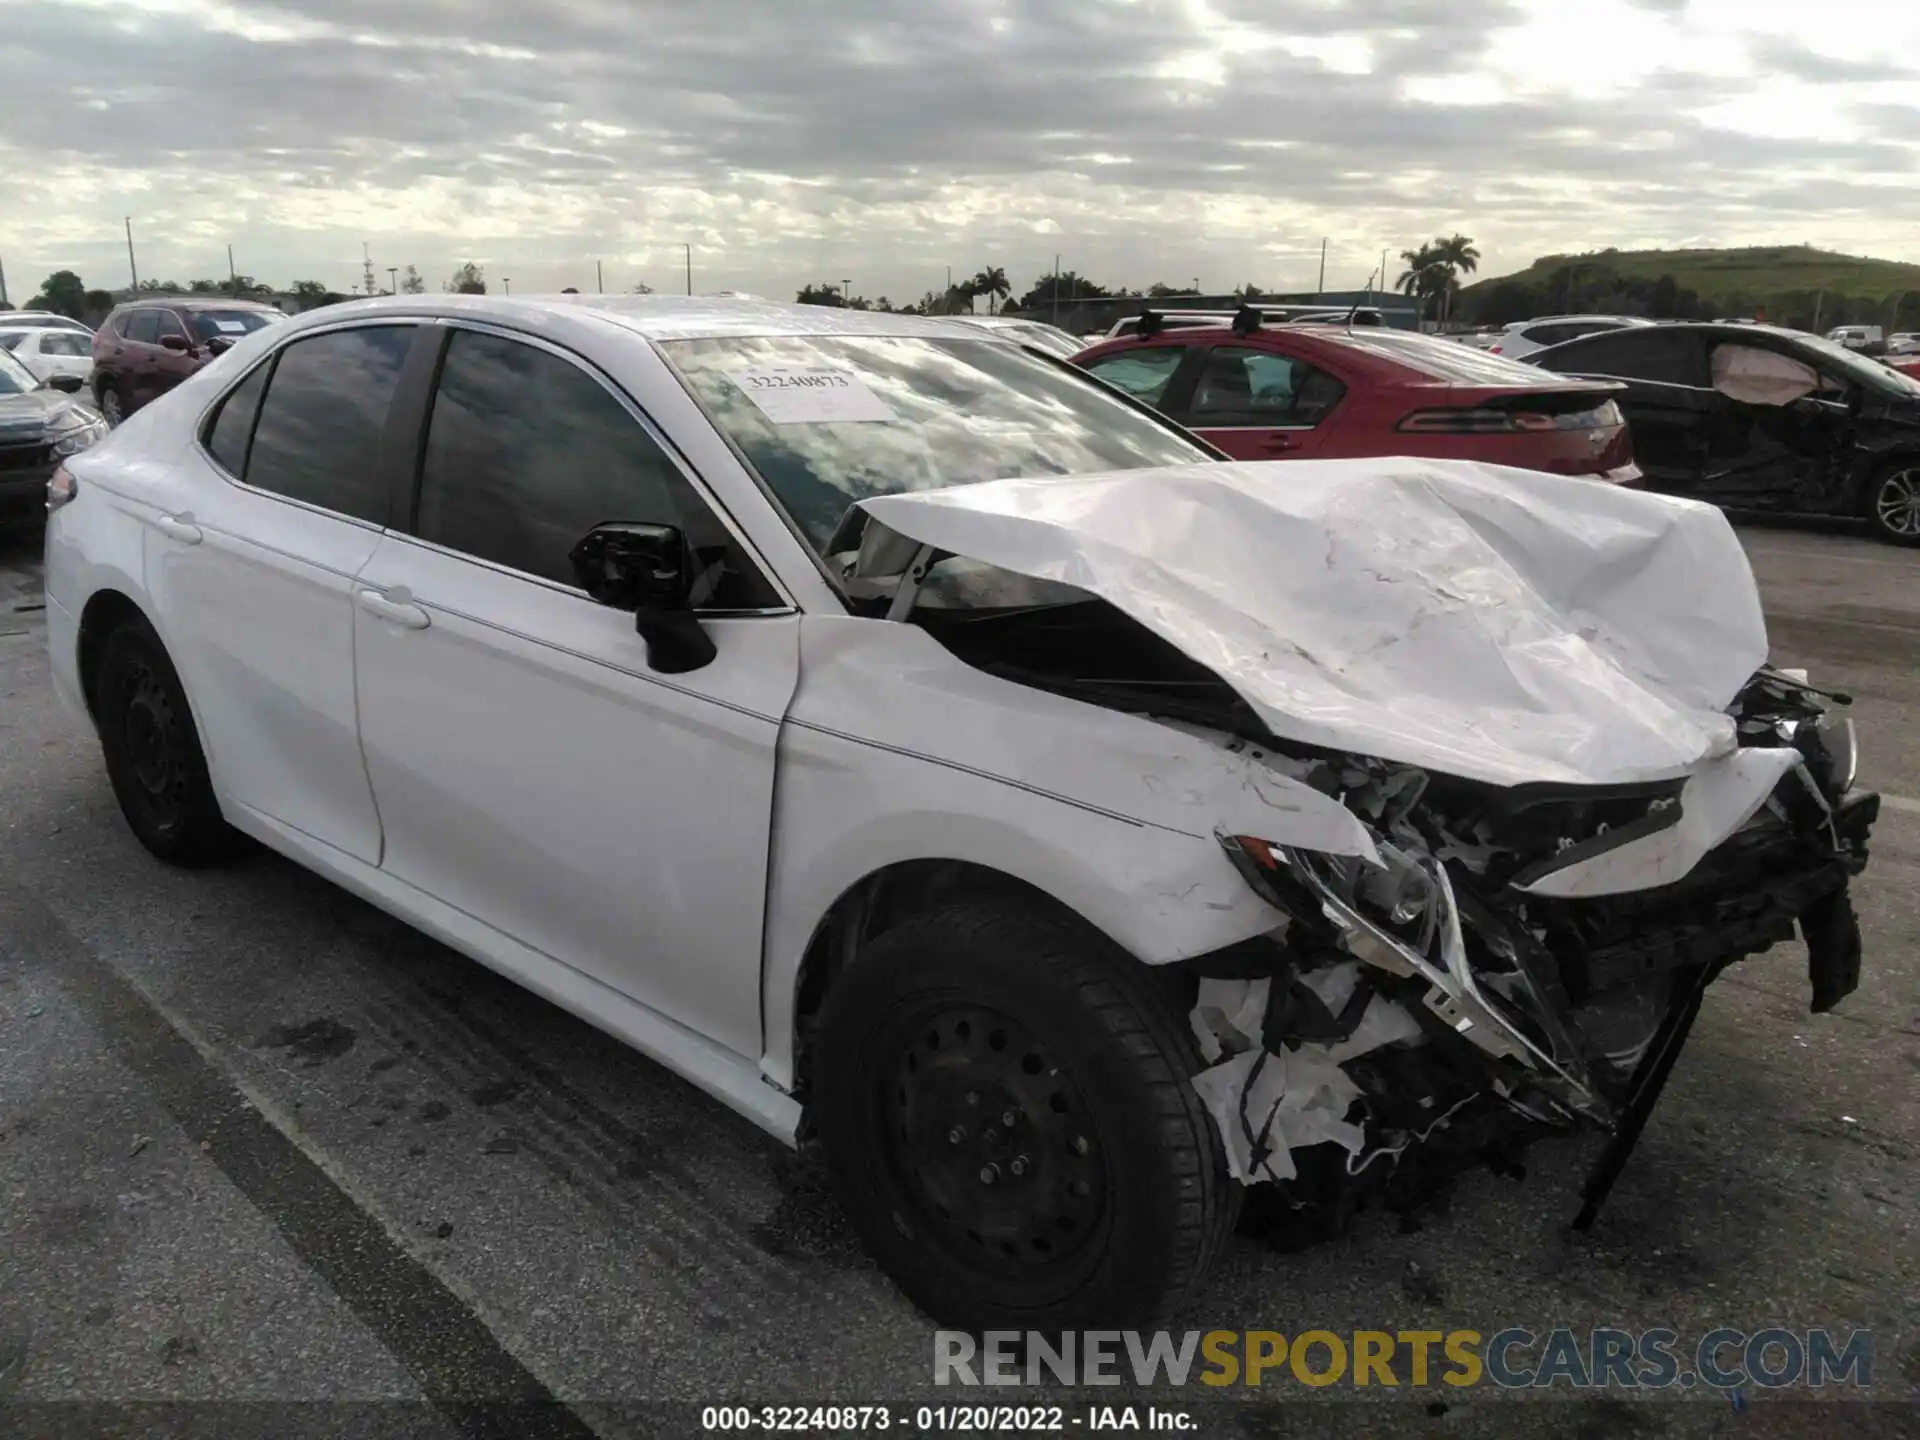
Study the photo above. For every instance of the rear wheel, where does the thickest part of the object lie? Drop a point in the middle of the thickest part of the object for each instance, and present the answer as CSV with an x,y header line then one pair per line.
x,y
1005,1100
112,406
1893,502
154,760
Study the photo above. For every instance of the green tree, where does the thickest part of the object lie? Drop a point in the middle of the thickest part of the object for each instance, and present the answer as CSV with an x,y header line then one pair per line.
x,y
1425,277
1068,285
1459,256
159,287
1159,291
243,287
640,287
991,283
62,292
411,283
95,306
307,291
469,279
1249,291
825,293
203,287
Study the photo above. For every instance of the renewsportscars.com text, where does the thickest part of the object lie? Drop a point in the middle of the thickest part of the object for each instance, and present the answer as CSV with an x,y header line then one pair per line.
x,y
1513,1358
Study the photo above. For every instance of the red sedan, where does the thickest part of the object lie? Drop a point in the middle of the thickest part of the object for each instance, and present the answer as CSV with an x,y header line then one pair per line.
x,y
1271,392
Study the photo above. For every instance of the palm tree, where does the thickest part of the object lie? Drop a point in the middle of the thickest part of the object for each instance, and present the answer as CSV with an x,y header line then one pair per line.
x,y
1426,275
991,283
1458,254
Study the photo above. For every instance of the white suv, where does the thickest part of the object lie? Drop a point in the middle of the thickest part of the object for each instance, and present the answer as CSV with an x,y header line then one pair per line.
x,y
1058,855
1523,337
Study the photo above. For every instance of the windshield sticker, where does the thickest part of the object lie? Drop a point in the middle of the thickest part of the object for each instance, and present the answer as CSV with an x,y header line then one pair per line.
x,y
232,327
810,395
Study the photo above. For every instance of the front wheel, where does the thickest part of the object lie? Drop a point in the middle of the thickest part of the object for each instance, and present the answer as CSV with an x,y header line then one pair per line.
x,y
1893,503
1005,1099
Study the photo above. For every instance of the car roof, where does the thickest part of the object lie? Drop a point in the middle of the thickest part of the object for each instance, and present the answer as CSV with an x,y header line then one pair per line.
x,y
194,302
655,317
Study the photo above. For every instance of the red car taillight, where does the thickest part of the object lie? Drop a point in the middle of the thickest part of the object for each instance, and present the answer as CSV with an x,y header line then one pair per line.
x,y
1484,420
61,487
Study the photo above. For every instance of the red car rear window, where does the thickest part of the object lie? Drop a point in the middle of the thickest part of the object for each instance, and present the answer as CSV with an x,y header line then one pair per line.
x,y
1446,360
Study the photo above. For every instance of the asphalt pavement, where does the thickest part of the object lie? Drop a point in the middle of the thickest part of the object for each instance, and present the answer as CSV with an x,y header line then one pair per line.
x,y
270,1162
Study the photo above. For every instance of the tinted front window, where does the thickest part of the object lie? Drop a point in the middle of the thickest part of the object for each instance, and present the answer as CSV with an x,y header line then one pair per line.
x,y
1143,374
11,342
168,323
232,323
941,412
526,453
64,342
1668,357
232,427
318,438
1832,359
143,327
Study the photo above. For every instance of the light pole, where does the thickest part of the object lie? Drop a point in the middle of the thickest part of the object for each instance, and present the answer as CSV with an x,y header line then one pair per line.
x,y
393,279
846,294
687,246
506,285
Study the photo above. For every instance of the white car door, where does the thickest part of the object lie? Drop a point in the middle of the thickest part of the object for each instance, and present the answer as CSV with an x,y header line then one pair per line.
x,y
529,766
252,578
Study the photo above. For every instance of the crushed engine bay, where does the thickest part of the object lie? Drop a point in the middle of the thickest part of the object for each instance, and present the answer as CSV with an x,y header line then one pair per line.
x,y
1546,702
1445,1007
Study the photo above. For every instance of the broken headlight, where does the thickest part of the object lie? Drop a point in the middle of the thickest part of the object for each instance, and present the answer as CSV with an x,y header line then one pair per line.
x,y
1831,751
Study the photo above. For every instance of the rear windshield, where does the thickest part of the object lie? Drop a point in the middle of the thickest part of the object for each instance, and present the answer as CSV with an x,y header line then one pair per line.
x,y
1443,360
208,324
829,420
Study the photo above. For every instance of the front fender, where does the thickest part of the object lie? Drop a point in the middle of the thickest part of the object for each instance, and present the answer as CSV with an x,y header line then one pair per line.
x,y
896,751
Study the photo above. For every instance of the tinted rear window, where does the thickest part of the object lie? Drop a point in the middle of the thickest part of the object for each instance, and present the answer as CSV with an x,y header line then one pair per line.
x,y
1438,359
318,438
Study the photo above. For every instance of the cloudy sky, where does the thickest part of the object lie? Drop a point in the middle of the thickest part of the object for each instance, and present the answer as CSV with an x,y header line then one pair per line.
x,y
880,141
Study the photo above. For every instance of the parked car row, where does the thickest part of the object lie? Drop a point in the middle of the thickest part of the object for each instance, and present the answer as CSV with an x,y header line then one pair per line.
x,y
936,753
146,347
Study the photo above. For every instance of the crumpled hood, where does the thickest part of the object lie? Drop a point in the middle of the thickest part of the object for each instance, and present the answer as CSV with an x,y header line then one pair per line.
x,y
24,417
1497,624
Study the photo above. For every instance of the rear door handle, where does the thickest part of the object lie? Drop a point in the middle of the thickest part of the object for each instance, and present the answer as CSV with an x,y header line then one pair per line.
x,y
1280,443
179,527
395,605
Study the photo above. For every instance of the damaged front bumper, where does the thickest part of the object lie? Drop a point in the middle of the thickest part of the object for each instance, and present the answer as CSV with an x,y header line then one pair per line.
x,y
1562,1008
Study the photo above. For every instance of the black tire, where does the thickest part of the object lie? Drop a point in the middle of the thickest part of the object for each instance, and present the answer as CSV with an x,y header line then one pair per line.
x,y
1893,502
1046,1020
153,754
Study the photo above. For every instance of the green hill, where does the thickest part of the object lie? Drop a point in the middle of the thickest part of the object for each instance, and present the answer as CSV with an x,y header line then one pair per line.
x,y
1790,283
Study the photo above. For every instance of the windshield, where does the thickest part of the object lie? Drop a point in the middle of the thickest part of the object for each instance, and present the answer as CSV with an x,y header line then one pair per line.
x,y
207,324
829,420
15,378
1047,338
1855,367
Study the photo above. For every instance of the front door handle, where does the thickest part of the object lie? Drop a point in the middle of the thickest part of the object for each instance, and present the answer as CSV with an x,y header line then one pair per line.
x,y
179,527
1280,443
395,605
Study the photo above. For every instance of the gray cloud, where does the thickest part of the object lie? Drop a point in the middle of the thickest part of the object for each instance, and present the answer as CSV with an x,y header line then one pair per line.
x,y
877,134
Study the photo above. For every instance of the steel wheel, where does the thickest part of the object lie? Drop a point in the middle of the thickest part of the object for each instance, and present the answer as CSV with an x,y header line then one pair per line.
x,y
111,407
1896,505
993,1141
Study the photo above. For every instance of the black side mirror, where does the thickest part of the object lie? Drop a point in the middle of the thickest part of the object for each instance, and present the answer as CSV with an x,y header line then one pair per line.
x,y
176,342
71,384
650,570
219,344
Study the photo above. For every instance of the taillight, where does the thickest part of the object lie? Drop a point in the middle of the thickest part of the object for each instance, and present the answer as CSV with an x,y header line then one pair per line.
x,y
1494,350
61,487
1486,420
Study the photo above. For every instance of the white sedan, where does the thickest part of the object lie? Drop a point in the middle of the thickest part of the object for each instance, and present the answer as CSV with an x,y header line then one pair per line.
x,y
47,352
1065,853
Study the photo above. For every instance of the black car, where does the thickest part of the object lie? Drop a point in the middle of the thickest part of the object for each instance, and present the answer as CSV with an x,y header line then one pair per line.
x,y
1756,418
40,425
